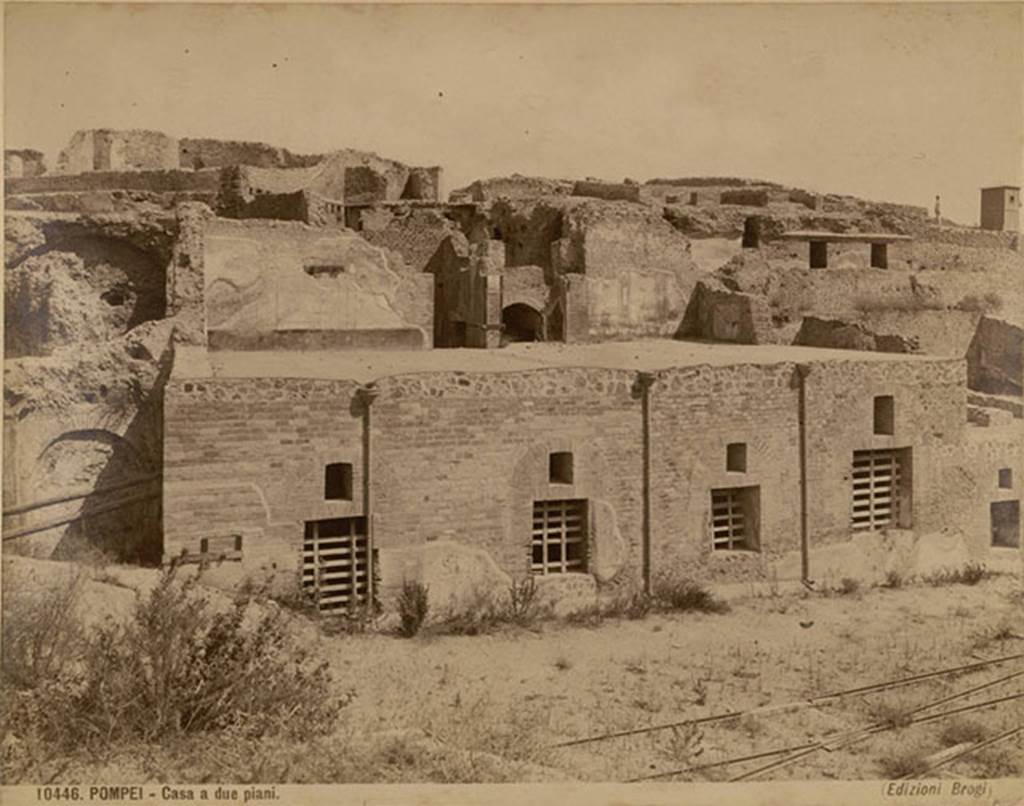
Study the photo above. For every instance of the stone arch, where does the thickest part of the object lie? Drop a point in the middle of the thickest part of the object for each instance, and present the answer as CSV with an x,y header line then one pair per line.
x,y
96,458
522,322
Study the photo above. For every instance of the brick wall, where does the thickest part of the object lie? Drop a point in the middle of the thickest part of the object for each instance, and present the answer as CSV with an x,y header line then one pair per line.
x,y
930,400
463,456
249,456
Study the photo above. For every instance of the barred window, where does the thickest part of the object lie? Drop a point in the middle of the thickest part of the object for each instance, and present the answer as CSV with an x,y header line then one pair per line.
x,y
559,543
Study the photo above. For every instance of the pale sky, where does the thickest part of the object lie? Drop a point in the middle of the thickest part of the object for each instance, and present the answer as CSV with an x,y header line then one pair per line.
x,y
896,103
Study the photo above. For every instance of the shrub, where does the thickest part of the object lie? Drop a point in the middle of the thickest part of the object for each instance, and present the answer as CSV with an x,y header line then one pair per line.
x,y
42,635
413,606
683,594
175,668
848,586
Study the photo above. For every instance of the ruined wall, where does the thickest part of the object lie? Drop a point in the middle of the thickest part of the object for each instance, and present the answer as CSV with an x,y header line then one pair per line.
x,y
610,191
118,150
151,180
512,188
638,268
424,184
263,277
412,233
995,358
718,314
23,162
203,152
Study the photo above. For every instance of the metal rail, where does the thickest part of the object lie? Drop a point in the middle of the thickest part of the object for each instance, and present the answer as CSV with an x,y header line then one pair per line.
x,y
846,738
78,494
42,527
795,705
967,751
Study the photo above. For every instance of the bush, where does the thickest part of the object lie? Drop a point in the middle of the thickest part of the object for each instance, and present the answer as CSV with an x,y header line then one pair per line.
x,y
962,731
42,635
970,574
413,606
848,586
683,594
176,669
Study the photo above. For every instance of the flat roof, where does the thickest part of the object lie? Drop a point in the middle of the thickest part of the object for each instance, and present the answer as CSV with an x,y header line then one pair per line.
x,y
367,365
1002,187
859,237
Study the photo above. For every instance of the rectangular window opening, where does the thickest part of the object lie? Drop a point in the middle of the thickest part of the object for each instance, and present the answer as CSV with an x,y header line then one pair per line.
x,y
736,457
1005,478
735,519
881,490
559,542
885,415
560,467
338,482
334,563
1005,524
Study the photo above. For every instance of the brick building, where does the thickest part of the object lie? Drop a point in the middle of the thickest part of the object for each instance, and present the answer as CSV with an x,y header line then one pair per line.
x,y
586,466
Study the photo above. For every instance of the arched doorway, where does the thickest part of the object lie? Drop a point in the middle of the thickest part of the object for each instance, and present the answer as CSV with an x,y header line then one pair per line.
x,y
521,322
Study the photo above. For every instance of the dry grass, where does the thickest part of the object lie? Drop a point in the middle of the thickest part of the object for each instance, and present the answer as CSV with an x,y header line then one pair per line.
x,y
907,762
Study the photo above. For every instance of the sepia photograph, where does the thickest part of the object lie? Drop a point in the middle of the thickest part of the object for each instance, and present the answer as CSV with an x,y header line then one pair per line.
x,y
620,402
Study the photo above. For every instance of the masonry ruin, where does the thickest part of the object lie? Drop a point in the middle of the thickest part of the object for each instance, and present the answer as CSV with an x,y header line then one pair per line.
x,y
315,370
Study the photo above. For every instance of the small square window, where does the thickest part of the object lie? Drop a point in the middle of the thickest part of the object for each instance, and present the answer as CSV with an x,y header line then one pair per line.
x,y
338,482
560,468
1005,478
736,457
885,415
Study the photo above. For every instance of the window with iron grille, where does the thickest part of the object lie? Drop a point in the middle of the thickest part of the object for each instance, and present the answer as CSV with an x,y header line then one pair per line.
x,y
877,489
334,562
734,519
559,543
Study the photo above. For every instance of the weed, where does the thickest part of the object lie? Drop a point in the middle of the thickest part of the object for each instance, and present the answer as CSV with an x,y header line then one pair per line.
x,y
962,731
700,692
413,606
848,586
891,714
999,762
683,745
893,579
562,663
969,574
683,594
905,763
521,606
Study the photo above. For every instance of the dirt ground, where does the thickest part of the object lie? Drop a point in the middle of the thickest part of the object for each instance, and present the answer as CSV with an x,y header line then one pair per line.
x,y
491,707
560,682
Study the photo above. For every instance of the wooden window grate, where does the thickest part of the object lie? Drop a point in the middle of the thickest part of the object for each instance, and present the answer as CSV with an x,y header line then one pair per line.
x,y
876,489
334,562
729,527
559,544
